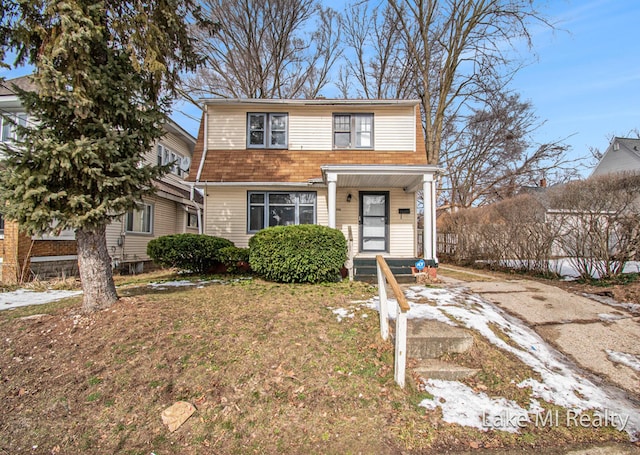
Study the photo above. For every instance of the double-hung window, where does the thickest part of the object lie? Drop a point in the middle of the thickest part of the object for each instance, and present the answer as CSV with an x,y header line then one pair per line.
x,y
9,122
179,163
267,130
140,219
277,208
353,131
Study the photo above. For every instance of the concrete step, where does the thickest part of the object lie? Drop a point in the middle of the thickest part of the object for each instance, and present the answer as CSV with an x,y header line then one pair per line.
x,y
431,339
437,369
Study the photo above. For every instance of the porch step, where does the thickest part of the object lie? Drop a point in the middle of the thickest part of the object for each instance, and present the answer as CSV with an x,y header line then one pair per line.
x,y
437,369
365,269
431,339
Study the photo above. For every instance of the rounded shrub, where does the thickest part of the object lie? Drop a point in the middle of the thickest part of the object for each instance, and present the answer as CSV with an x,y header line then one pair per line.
x,y
197,253
234,258
306,253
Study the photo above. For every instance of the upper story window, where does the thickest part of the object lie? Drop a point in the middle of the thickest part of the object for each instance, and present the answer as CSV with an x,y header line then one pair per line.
x,y
267,130
353,131
140,219
179,164
8,124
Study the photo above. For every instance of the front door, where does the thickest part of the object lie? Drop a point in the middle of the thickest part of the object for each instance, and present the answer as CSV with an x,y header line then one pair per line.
x,y
374,221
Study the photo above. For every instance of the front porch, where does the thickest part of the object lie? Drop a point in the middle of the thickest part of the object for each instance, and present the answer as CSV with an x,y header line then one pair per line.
x,y
379,204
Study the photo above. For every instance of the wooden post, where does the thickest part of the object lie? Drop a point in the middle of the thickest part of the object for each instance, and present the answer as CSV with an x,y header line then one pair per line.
x,y
384,309
401,348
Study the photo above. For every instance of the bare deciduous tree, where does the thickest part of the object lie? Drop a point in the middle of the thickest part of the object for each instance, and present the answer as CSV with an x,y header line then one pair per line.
x,y
378,62
494,154
265,49
458,47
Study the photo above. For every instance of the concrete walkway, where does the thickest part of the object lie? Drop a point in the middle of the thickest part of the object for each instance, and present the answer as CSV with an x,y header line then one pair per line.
x,y
587,331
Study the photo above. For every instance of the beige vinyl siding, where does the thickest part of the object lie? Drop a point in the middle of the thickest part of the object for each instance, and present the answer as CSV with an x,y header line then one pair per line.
x,y
226,211
134,248
226,128
226,215
311,128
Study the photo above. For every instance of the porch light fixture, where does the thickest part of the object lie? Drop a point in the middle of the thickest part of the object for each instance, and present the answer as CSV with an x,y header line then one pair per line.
x,y
349,197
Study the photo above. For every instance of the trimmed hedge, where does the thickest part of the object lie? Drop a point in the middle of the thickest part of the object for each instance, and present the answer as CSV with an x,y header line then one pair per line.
x,y
234,257
197,253
306,253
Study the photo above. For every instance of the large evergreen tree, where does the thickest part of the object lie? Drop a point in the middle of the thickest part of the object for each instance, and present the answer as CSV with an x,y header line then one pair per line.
x,y
103,74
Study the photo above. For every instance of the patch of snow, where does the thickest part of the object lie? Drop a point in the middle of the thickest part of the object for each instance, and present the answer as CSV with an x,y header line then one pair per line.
x,y
633,307
342,313
630,360
610,317
559,383
462,405
26,297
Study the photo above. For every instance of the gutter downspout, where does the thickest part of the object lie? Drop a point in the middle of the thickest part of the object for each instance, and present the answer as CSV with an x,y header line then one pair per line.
x,y
201,167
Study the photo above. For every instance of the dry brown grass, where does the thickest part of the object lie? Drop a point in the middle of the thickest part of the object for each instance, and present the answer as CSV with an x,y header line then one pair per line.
x,y
268,366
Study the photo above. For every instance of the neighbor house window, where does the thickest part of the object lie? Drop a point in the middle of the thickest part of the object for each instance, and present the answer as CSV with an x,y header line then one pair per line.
x,y
8,126
353,131
179,164
192,220
280,209
2,225
267,130
140,219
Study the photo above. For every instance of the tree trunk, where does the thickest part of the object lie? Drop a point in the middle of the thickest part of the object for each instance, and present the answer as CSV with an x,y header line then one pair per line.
x,y
94,264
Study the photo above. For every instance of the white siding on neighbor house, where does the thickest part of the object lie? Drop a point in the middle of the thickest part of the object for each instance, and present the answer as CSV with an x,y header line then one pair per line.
x,y
226,215
617,161
311,127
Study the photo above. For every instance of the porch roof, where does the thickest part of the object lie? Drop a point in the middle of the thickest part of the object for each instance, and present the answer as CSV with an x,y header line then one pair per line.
x,y
408,177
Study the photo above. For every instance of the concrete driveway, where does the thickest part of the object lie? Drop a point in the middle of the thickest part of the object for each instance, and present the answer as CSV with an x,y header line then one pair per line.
x,y
600,338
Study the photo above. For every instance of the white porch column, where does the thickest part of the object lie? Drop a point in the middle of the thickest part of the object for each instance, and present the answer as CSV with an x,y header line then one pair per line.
x,y
332,180
429,238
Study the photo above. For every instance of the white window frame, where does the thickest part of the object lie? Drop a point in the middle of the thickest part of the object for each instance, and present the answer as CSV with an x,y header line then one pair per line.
x,y
355,130
266,205
165,155
142,214
7,127
268,130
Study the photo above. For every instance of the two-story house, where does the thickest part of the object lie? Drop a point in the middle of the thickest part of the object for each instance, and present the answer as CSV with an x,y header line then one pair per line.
x,y
355,165
173,209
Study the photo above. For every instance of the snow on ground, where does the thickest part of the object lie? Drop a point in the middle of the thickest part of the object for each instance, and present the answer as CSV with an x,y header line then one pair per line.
x,y
565,267
25,297
559,383
164,285
630,360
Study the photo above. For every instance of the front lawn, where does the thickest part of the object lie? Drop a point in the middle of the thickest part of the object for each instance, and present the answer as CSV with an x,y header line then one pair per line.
x,y
270,368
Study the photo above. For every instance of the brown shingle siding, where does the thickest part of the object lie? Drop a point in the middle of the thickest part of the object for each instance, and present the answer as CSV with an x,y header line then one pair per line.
x,y
260,165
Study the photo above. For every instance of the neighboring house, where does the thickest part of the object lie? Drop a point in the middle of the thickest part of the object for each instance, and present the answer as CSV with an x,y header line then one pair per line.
x,y
173,209
623,154
355,165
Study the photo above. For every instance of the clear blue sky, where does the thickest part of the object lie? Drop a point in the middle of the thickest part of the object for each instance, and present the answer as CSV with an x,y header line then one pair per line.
x,y
584,79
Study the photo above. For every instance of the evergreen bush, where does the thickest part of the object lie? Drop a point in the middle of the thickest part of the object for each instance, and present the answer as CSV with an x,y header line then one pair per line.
x,y
306,253
234,258
196,253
